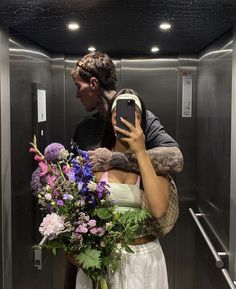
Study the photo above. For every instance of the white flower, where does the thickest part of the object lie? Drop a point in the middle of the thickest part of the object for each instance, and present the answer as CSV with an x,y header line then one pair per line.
x,y
79,186
63,154
108,225
79,159
92,186
52,225
48,197
119,247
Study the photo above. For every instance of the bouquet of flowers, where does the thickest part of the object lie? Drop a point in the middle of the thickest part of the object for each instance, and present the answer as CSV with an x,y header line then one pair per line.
x,y
80,216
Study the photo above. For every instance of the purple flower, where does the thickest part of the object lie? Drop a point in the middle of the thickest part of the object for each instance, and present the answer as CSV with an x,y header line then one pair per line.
x,y
71,175
97,231
101,189
68,197
79,237
94,231
56,193
50,180
100,231
36,184
82,229
52,151
60,203
92,223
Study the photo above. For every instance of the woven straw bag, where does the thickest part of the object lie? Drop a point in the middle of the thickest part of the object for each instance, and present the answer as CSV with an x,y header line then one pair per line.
x,y
161,226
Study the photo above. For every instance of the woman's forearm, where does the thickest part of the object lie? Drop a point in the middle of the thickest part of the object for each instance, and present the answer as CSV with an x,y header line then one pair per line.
x,y
156,188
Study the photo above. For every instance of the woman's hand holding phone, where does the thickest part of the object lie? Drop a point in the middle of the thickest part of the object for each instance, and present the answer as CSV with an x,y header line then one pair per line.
x,y
134,137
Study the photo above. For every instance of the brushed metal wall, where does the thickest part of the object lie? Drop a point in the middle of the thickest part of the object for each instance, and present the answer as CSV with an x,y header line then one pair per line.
x,y
156,82
5,165
28,64
232,241
58,99
213,134
214,91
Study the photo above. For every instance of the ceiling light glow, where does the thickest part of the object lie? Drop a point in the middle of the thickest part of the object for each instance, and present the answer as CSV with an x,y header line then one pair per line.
x,y
165,26
73,26
91,49
155,49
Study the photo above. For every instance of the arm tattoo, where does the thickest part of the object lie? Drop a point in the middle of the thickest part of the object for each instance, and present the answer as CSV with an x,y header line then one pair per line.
x,y
164,160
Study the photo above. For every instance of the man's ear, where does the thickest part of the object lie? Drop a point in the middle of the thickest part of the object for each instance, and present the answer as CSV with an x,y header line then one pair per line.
x,y
94,83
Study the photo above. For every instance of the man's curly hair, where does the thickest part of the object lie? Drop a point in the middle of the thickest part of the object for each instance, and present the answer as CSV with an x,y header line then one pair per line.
x,y
99,65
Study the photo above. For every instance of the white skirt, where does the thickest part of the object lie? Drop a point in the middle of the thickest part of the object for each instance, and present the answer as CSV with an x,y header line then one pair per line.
x,y
145,269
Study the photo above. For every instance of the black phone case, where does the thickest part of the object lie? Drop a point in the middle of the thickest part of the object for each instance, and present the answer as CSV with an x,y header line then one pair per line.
x,y
125,108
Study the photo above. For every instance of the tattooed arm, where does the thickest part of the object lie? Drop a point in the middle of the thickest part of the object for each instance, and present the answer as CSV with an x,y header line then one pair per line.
x,y
163,150
164,159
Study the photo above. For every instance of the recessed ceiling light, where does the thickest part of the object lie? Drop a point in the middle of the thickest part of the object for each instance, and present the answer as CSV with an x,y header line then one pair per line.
x,y
91,49
73,26
165,26
155,49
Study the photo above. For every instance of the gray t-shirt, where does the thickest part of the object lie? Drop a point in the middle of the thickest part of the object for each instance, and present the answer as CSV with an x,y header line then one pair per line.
x,y
155,134
89,131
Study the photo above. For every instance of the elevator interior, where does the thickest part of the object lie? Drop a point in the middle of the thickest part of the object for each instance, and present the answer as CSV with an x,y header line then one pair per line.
x,y
36,48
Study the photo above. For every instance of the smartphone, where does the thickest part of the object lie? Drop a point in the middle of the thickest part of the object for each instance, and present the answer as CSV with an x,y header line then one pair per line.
x,y
125,108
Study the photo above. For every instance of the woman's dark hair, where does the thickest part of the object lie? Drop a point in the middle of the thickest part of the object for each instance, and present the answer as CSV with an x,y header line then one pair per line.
x,y
109,138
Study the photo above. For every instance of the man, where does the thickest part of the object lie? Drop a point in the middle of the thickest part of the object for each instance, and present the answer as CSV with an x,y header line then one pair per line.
x,y
95,78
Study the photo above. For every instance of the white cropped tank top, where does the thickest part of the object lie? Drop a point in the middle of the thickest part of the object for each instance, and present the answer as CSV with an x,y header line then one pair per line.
x,y
125,196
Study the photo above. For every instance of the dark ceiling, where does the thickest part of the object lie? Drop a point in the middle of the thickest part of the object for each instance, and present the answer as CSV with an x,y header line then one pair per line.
x,y
120,27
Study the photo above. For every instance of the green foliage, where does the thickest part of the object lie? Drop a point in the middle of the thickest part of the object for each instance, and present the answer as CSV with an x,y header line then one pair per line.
x,y
128,249
90,258
104,213
134,217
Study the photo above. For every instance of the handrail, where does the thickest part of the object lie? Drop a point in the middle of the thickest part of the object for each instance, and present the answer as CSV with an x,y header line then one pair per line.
x,y
219,262
228,278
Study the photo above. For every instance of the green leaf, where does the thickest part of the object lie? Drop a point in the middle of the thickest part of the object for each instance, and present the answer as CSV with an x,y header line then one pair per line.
x,y
134,216
90,258
104,213
54,251
129,250
106,260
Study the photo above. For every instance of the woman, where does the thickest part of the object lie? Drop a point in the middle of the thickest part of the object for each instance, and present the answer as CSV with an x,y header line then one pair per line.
x,y
145,268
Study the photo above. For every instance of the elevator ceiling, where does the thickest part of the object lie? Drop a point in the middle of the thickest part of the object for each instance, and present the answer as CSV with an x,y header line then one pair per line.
x,y
120,27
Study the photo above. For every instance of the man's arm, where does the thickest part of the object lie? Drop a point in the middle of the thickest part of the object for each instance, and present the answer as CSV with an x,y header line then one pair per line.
x,y
163,150
164,159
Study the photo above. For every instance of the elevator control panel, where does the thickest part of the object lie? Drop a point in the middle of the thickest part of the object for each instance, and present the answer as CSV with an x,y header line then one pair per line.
x,y
39,114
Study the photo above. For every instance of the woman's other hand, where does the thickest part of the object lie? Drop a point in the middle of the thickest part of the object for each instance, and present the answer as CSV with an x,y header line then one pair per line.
x,y
135,136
